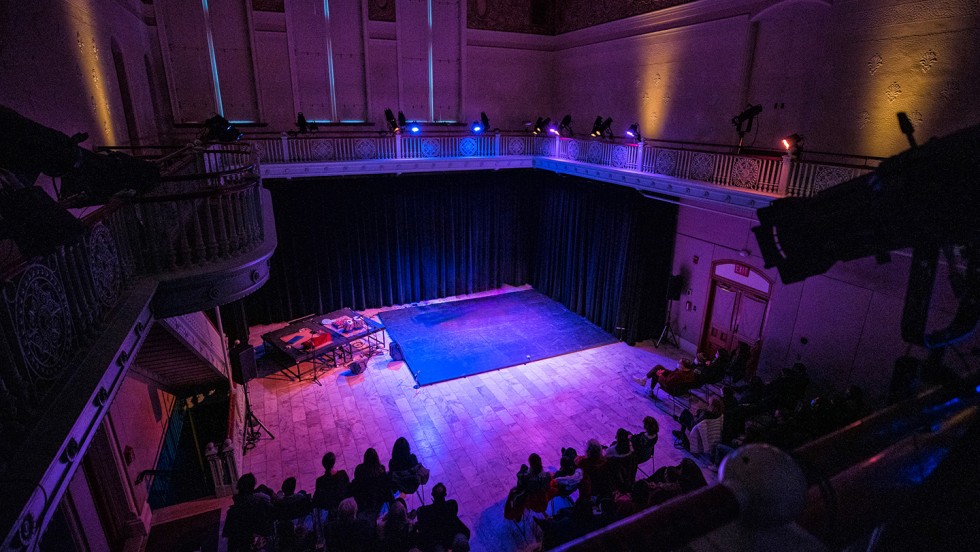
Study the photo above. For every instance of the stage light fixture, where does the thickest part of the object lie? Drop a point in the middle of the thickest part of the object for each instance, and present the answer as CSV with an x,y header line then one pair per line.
x,y
605,130
218,129
565,126
634,132
414,128
484,120
301,123
596,126
402,121
393,125
541,125
793,144
476,127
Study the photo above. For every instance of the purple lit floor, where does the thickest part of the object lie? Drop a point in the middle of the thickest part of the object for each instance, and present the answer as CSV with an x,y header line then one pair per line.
x,y
473,433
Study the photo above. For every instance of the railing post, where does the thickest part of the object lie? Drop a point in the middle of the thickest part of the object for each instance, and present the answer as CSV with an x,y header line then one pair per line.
x,y
639,155
398,146
496,145
558,145
782,183
284,139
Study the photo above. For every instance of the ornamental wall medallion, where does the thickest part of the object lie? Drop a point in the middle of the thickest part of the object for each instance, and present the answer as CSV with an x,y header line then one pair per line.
x,y
104,264
745,172
468,147
595,152
666,163
571,150
828,177
430,148
701,167
323,150
42,322
619,156
365,149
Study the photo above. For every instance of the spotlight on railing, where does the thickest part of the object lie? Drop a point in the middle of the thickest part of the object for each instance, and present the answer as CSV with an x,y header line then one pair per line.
x,y
634,132
393,125
793,144
541,125
402,121
605,129
414,128
218,129
485,121
596,126
565,126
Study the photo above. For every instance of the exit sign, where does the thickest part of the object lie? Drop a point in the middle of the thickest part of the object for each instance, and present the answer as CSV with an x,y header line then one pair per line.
x,y
742,270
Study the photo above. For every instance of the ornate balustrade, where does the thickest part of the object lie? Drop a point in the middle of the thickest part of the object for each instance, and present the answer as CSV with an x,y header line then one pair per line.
x,y
71,321
767,175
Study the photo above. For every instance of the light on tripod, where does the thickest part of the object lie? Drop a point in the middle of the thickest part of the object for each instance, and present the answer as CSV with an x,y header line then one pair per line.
x,y
634,132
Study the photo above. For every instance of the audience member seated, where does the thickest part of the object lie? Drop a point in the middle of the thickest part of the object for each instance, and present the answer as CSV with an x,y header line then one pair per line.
x,y
347,532
531,491
621,462
291,510
331,487
567,525
687,420
595,482
684,477
637,500
789,388
404,468
674,382
438,527
395,531
568,477
371,487
712,370
249,519
645,442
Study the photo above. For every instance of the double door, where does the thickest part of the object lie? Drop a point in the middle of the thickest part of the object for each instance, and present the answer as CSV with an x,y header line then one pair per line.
x,y
736,314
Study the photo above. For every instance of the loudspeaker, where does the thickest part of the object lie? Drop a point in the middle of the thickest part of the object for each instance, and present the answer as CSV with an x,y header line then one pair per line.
x,y
357,367
243,366
674,285
396,351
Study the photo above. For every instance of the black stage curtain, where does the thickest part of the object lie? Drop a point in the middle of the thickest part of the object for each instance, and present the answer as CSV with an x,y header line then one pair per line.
x,y
601,250
605,252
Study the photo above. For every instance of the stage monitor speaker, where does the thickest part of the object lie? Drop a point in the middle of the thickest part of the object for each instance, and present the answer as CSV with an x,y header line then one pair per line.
x,y
396,351
243,366
674,285
357,367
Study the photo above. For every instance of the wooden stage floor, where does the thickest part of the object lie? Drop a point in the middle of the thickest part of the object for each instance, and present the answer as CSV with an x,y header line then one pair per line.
x,y
473,433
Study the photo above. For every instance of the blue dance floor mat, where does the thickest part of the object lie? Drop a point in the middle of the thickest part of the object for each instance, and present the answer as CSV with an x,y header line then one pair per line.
x,y
452,340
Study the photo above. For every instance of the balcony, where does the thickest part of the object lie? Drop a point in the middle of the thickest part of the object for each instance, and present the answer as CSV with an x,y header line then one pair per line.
x,y
74,320
704,172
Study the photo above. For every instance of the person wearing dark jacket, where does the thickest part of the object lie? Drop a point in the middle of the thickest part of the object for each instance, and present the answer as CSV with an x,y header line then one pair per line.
x,y
249,517
438,525
331,487
371,487
348,533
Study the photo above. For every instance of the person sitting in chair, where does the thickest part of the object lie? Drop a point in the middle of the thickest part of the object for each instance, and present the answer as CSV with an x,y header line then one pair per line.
x,y
675,382
531,491
716,408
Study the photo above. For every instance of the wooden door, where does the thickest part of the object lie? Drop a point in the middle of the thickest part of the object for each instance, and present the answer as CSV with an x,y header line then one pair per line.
x,y
721,318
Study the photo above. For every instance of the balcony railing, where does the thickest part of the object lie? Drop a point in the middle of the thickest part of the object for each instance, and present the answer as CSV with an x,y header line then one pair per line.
x,y
62,313
770,174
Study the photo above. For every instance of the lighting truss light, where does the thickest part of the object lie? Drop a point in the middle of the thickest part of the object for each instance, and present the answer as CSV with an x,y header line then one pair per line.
x,y
218,129
793,144
565,126
634,132
393,125
414,128
597,126
541,124
605,129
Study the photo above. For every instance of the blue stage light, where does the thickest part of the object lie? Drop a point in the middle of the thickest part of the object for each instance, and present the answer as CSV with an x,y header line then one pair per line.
x,y
476,128
414,128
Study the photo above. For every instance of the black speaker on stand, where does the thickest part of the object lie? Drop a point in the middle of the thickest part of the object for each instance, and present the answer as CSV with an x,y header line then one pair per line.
x,y
674,286
243,370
